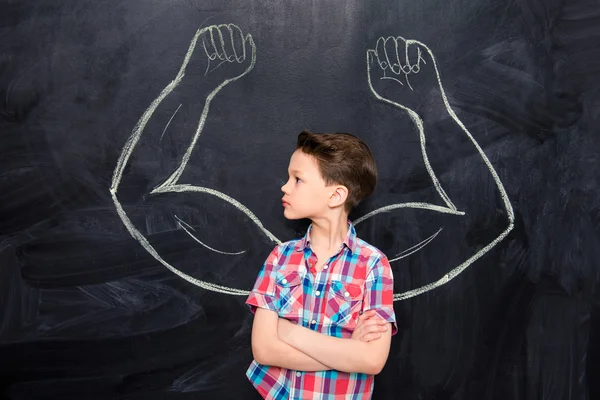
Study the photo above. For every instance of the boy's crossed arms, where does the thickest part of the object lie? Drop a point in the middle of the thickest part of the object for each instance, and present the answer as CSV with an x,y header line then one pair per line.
x,y
281,343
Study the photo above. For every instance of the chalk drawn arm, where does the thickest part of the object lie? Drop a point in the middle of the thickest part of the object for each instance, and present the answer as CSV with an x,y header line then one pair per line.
x,y
400,64
217,56
394,62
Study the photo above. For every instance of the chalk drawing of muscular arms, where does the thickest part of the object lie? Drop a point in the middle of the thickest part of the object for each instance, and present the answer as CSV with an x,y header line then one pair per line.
x,y
228,55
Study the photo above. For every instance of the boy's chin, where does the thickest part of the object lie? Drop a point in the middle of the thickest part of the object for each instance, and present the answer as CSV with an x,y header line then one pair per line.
x,y
291,215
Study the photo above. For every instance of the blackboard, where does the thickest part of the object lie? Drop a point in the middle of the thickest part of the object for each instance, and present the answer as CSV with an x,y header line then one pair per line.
x,y
144,144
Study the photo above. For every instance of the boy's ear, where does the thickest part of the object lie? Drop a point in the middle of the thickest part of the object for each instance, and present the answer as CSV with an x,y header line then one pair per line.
x,y
339,196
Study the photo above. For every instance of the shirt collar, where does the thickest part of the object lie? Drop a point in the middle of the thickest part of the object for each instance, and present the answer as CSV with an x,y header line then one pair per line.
x,y
349,242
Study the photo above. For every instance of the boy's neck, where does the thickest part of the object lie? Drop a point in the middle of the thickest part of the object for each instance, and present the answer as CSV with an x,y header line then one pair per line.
x,y
328,233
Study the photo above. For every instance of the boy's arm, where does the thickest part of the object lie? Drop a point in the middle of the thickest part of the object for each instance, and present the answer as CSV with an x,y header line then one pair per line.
x,y
347,355
268,349
350,355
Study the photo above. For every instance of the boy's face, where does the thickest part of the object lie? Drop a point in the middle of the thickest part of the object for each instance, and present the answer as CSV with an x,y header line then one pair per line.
x,y
305,194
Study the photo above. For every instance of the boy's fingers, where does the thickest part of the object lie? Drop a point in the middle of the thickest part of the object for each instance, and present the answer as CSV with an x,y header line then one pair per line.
x,y
366,337
376,328
366,315
375,321
371,329
371,336
378,320
370,318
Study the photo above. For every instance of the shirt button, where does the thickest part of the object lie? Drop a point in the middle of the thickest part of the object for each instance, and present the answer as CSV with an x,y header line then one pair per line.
x,y
325,266
284,281
346,294
313,322
298,374
317,293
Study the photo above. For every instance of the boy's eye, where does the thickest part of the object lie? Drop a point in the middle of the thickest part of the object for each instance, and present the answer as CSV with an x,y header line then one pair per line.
x,y
298,180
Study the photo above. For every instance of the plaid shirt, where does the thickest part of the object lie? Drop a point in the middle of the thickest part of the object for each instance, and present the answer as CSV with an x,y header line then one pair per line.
x,y
358,278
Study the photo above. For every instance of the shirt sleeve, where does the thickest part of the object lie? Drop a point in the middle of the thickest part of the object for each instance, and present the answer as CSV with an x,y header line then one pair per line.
x,y
379,292
263,293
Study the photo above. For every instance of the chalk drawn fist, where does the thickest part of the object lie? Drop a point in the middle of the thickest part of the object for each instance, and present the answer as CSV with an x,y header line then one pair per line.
x,y
218,55
402,71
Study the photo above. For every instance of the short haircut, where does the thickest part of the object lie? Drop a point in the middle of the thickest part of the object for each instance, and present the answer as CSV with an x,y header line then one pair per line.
x,y
343,159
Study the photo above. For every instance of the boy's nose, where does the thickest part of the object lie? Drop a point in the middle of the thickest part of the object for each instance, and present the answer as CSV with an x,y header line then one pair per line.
x,y
283,188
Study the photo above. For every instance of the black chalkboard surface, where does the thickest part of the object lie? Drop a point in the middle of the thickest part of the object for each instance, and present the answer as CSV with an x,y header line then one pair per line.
x,y
142,150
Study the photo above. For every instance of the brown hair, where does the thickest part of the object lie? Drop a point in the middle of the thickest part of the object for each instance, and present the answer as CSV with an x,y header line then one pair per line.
x,y
343,159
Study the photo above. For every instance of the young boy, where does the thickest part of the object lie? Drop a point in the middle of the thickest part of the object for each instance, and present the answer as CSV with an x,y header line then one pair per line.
x,y
323,304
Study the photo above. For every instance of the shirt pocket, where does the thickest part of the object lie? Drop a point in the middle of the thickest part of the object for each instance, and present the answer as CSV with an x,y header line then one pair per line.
x,y
345,300
289,293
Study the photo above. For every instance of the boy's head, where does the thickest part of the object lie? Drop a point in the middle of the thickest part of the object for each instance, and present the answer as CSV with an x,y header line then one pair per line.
x,y
328,170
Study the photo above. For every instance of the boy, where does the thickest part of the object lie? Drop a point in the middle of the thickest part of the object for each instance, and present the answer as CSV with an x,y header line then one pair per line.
x,y
308,340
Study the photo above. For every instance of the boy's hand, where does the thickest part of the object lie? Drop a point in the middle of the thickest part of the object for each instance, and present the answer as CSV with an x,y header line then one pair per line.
x,y
369,327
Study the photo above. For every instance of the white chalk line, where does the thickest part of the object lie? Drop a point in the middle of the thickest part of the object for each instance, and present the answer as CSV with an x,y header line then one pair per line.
x,y
423,206
169,123
416,247
181,224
